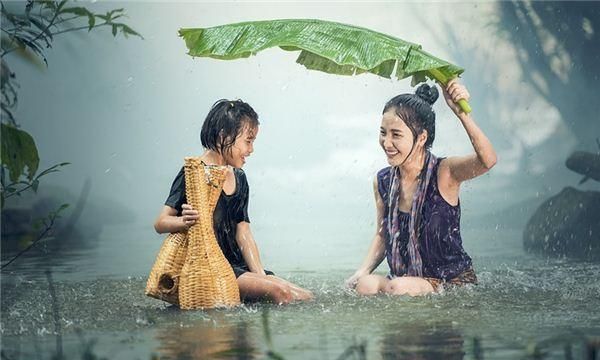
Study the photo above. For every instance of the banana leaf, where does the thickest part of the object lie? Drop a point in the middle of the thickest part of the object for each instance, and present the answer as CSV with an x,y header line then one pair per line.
x,y
326,46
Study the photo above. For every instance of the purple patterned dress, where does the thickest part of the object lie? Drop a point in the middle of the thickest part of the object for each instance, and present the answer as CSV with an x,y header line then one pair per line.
x,y
440,243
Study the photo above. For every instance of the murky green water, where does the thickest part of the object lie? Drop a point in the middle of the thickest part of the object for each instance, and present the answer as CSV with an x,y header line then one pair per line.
x,y
523,308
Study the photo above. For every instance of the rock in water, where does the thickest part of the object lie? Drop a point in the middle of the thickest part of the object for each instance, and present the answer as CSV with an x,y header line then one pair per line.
x,y
586,164
566,225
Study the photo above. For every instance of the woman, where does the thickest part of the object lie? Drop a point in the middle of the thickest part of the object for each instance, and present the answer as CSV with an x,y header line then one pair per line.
x,y
417,199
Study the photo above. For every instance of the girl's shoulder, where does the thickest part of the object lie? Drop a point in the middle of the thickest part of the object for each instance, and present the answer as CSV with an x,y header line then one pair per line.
x,y
239,173
240,177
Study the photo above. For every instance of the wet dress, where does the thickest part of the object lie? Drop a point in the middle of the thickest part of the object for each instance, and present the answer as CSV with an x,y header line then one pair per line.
x,y
230,210
445,262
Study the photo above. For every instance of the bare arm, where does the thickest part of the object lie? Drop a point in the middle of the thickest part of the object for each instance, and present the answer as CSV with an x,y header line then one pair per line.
x,y
247,245
376,252
169,222
462,168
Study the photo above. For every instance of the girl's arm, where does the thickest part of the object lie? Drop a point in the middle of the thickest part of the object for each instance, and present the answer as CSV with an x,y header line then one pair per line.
x,y
376,252
462,168
169,222
247,245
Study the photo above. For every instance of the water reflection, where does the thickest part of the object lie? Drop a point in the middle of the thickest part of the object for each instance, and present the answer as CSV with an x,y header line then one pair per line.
x,y
74,234
422,342
214,337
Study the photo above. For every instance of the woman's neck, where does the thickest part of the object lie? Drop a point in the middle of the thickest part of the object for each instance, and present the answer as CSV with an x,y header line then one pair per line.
x,y
211,157
412,167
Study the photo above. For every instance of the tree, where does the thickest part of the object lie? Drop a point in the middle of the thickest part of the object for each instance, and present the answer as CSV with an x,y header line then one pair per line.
x,y
559,52
27,31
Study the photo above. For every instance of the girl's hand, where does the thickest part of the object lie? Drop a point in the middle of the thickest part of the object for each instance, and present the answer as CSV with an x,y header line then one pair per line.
x,y
188,215
353,280
453,92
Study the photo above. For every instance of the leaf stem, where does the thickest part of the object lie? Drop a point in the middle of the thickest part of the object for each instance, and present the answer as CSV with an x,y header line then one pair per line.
x,y
443,79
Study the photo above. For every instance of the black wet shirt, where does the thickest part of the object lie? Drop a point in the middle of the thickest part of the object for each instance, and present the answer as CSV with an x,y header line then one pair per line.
x,y
230,210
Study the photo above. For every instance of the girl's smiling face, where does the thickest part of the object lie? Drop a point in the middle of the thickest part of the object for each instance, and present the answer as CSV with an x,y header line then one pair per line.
x,y
242,147
396,138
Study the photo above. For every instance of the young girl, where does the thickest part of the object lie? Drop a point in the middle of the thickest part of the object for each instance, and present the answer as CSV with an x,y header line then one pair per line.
x,y
228,135
418,210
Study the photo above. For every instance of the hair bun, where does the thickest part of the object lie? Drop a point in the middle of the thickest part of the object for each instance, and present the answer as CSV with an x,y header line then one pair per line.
x,y
427,93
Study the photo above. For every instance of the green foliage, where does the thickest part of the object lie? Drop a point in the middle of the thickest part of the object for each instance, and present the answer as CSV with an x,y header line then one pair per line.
x,y
325,46
18,152
17,187
29,33
20,160
41,231
33,31
40,225
42,20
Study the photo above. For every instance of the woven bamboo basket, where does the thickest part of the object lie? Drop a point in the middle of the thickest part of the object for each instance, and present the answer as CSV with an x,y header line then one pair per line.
x,y
163,282
207,279
218,286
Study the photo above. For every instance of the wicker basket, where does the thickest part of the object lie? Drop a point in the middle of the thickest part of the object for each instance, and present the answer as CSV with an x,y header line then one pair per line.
x,y
164,278
207,280
191,270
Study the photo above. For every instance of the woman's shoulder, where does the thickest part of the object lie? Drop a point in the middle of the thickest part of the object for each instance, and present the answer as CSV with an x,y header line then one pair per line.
x,y
441,168
382,180
383,173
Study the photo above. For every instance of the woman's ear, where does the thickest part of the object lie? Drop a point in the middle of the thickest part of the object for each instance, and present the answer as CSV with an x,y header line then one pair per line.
x,y
422,138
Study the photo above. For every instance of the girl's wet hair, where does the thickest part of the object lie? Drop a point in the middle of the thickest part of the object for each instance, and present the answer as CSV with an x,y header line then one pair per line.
x,y
225,122
416,111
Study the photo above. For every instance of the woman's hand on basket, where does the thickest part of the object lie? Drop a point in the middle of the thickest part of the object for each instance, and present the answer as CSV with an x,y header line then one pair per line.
x,y
188,215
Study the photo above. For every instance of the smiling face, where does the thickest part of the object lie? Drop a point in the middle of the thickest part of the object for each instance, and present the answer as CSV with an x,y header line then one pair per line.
x,y
242,147
397,140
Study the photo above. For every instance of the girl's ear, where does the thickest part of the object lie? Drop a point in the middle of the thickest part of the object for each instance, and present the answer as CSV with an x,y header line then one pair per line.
x,y
220,140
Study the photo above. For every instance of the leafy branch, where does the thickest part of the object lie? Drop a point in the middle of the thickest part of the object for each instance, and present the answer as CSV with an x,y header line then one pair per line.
x,y
31,31
48,224
20,186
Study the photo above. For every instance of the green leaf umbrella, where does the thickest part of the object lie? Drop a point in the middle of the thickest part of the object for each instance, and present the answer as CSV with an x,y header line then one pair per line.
x,y
325,46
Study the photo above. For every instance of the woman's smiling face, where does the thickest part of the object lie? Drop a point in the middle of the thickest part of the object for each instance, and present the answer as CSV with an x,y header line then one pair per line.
x,y
395,137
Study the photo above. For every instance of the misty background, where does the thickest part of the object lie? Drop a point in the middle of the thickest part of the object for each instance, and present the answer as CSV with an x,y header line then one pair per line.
x,y
125,112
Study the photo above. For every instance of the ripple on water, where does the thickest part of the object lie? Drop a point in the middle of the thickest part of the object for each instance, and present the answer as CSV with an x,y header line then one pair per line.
x,y
548,304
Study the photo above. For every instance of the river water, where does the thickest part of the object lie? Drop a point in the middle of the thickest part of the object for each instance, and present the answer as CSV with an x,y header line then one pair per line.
x,y
523,307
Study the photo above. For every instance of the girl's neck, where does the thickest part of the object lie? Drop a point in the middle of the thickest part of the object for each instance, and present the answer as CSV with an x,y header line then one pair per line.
x,y
412,167
211,157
